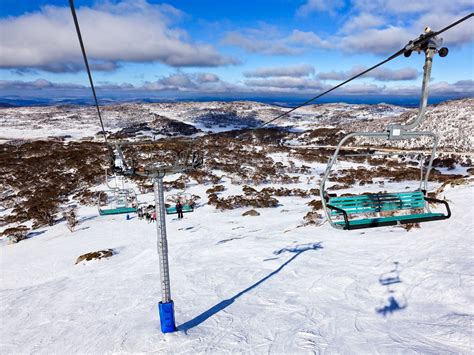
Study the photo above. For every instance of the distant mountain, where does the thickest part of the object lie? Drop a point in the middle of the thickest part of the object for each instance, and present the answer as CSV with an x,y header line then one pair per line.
x,y
406,101
452,120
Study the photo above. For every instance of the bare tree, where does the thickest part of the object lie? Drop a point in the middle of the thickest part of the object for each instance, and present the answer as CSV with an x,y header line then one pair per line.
x,y
71,218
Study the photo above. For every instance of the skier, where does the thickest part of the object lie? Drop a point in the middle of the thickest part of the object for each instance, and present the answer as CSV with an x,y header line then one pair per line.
x,y
153,217
179,209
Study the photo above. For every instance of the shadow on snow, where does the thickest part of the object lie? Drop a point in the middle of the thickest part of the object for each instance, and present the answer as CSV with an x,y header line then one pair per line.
x,y
298,250
391,279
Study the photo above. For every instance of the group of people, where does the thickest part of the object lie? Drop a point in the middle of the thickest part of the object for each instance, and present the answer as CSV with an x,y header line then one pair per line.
x,y
148,213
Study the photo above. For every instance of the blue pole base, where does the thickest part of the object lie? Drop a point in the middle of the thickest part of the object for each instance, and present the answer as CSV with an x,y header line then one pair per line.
x,y
167,317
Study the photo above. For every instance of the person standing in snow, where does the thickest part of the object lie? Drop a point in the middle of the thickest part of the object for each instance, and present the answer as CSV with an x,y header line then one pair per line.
x,y
179,209
153,217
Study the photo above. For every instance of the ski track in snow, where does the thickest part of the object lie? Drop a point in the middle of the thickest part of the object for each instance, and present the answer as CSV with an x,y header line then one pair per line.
x,y
241,284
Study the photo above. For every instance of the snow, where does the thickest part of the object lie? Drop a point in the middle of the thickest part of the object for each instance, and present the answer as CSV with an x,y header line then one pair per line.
x,y
458,169
242,284
263,284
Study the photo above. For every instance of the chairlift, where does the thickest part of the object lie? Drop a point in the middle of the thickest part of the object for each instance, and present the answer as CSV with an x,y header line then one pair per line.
x,y
119,200
388,209
186,200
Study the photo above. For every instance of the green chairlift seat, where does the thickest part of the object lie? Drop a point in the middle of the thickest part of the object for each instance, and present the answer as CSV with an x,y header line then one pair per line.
x,y
172,209
119,202
348,206
118,210
186,199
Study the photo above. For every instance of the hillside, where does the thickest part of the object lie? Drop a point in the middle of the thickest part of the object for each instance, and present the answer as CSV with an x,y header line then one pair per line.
x,y
256,268
451,119
242,284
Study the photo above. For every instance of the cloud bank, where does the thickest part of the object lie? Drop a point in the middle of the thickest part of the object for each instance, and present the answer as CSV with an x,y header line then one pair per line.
x,y
378,27
209,84
129,31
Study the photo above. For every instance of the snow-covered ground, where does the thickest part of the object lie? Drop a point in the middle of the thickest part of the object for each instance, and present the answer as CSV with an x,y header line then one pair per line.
x,y
450,119
243,285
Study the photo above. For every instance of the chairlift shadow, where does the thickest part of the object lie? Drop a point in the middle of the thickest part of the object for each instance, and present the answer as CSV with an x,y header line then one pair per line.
x,y
297,250
391,277
88,218
392,306
34,234
394,303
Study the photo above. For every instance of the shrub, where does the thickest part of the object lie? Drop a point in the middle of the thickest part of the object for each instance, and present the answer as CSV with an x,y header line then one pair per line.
x,y
215,189
251,213
313,218
15,234
316,205
96,255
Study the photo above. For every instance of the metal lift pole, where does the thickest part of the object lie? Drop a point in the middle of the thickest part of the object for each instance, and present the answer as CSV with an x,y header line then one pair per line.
x,y
183,163
166,306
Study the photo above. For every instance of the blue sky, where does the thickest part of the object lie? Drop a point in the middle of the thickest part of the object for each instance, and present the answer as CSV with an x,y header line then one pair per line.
x,y
227,49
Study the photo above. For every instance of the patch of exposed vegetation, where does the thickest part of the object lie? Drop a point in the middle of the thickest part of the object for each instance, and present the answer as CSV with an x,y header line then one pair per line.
x,y
38,176
96,255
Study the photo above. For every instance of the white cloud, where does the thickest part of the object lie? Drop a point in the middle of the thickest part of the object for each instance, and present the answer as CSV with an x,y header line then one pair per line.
x,y
37,84
319,6
362,21
281,85
129,31
309,39
362,89
381,74
268,40
370,29
377,41
207,78
464,87
286,83
190,82
292,71
404,7
114,86
384,26
259,43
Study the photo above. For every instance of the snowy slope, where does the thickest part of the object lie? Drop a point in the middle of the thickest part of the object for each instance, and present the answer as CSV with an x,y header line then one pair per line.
x,y
263,284
452,120
243,284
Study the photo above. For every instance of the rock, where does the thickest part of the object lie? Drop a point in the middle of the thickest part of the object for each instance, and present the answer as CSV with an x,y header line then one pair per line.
x,y
15,234
251,213
96,255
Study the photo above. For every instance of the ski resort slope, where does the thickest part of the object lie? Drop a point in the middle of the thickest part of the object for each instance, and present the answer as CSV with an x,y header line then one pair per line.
x,y
243,285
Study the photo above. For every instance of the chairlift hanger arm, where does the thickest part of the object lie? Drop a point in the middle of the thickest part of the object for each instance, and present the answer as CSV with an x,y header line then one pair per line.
x,y
344,214
446,205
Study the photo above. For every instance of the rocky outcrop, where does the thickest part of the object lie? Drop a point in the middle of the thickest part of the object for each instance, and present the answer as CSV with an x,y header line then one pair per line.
x,y
96,255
